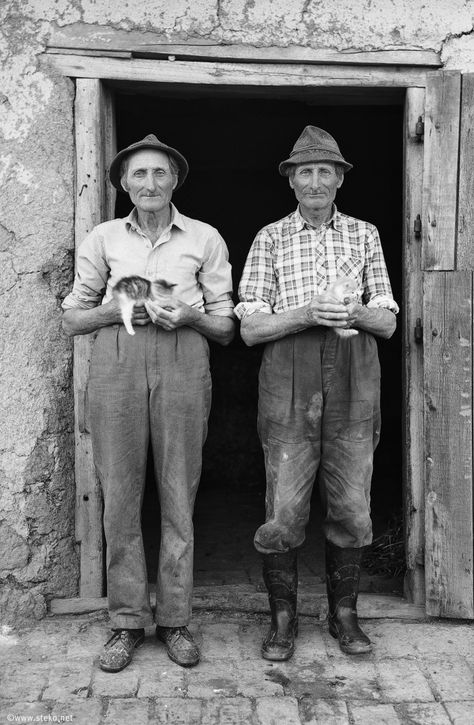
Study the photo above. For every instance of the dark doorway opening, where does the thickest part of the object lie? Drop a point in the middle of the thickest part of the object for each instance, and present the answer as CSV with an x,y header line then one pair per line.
x,y
233,140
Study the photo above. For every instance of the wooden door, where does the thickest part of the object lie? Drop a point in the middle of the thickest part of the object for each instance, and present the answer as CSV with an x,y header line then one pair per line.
x,y
95,200
447,261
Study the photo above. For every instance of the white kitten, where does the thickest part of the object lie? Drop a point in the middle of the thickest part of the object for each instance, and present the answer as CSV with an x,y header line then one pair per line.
x,y
135,290
345,290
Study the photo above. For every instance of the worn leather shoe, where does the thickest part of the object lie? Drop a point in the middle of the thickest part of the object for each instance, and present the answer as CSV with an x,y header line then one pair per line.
x,y
180,645
118,650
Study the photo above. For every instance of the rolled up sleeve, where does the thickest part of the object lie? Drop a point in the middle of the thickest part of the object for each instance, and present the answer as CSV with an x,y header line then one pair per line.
x,y
92,272
257,286
376,283
215,278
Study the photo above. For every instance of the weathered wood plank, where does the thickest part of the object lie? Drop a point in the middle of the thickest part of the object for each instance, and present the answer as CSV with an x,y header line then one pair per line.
x,y
448,446
88,52
89,133
465,241
232,598
106,39
110,150
412,311
214,73
443,93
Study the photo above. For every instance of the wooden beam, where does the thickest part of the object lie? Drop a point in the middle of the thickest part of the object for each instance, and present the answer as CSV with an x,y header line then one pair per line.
x,y
106,53
242,598
448,449
442,116
107,40
412,311
465,241
110,150
90,205
215,73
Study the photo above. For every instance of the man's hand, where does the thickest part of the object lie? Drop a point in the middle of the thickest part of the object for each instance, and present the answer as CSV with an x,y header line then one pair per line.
x,y
175,314
326,310
354,310
140,316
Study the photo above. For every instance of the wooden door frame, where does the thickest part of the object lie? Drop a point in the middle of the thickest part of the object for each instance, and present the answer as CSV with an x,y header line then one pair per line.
x,y
95,145
412,367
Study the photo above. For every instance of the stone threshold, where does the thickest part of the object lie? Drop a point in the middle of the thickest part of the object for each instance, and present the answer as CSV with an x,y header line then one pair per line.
x,y
312,602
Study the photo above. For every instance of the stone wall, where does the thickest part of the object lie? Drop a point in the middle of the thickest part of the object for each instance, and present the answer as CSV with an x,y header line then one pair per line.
x,y
38,557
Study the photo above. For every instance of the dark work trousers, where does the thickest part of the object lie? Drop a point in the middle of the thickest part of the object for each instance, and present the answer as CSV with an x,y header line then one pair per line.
x,y
153,387
319,413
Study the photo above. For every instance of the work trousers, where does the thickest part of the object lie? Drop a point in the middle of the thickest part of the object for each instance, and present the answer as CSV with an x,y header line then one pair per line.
x,y
150,388
319,414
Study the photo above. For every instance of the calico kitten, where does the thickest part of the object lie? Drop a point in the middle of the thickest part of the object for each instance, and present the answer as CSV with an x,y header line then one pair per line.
x,y
346,290
136,290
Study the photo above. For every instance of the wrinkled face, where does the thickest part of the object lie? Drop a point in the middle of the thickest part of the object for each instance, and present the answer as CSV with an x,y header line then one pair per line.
x,y
149,180
315,185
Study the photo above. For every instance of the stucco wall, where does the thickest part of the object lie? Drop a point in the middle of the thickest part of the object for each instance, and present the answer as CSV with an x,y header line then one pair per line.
x,y
37,549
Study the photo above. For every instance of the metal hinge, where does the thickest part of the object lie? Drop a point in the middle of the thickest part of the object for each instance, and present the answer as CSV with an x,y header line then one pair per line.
x,y
418,331
417,227
419,129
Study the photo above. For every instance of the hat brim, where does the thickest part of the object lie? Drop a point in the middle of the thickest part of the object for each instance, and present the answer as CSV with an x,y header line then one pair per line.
x,y
315,156
114,171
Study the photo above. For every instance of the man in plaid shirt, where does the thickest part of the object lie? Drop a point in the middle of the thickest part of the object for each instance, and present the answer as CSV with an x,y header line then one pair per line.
x,y
319,391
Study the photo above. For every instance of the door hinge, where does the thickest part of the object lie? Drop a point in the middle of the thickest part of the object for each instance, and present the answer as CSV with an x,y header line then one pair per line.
x,y
417,227
418,331
419,129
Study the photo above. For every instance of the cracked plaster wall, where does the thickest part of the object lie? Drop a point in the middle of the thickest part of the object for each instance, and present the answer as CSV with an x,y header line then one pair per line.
x,y
37,549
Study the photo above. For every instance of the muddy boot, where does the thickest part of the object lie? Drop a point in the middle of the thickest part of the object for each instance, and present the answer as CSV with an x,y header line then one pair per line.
x,y
281,579
342,579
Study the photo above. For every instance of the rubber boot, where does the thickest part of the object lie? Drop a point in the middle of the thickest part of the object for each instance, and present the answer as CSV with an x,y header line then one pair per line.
x,y
281,579
342,580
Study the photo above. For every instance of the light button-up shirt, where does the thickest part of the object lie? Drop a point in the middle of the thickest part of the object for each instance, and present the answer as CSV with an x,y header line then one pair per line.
x,y
189,253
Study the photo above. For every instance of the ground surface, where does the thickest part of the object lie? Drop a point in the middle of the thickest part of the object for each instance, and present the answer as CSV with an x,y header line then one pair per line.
x,y
419,672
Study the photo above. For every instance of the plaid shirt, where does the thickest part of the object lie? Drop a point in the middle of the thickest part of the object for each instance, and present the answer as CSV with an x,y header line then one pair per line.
x,y
290,262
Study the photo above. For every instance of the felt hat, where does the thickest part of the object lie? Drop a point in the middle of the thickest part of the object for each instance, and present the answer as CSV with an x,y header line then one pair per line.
x,y
149,142
314,144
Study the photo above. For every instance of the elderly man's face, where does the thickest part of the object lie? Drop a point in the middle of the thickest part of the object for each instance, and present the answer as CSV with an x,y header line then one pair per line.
x,y
149,180
315,185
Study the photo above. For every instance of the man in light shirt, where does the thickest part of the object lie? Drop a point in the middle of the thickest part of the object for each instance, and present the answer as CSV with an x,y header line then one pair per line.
x,y
319,410
151,388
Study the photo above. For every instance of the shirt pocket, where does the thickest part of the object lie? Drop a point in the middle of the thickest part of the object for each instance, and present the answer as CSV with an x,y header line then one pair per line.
x,y
350,266
320,273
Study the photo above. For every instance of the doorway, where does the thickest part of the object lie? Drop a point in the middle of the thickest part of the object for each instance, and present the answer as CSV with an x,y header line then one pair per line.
x,y
233,140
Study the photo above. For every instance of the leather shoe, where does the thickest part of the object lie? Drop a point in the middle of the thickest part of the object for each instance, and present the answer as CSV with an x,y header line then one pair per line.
x,y
118,650
180,645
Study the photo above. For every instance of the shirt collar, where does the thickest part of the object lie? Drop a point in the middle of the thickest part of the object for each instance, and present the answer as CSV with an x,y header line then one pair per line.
x,y
177,219
300,223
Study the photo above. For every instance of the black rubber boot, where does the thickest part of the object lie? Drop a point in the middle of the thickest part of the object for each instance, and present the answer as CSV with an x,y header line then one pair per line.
x,y
281,579
342,580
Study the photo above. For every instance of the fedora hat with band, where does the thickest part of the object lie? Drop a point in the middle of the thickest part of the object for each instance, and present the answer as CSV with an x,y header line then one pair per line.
x,y
314,144
149,142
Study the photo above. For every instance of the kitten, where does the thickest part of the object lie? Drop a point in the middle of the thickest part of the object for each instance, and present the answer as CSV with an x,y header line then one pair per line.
x,y
135,290
346,290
